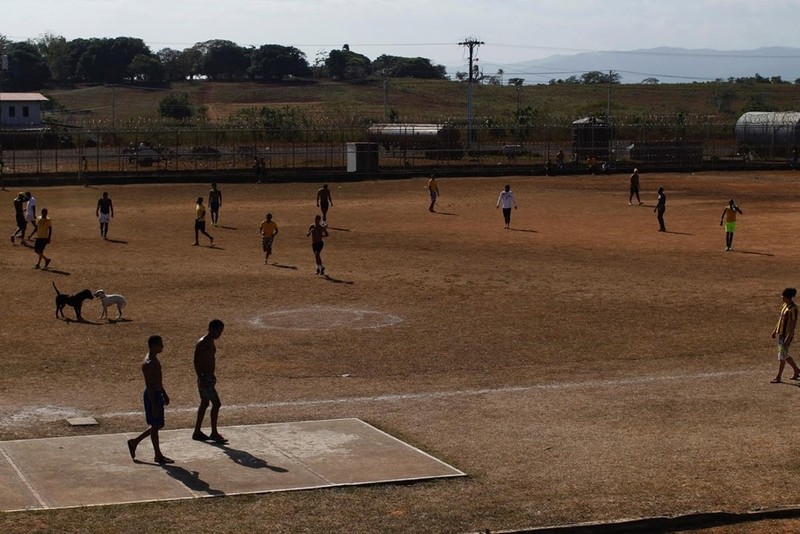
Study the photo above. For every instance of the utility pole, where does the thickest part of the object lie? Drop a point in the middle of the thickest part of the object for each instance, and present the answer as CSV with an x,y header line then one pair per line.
x,y
471,43
385,74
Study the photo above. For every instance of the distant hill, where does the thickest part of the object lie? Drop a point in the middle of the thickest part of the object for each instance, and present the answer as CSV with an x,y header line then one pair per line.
x,y
668,65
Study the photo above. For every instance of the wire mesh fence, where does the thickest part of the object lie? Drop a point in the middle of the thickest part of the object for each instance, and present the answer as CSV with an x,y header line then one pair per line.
x,y
660,143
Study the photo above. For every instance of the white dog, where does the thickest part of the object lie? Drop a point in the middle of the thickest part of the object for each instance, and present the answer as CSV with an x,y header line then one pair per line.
x,y
110,300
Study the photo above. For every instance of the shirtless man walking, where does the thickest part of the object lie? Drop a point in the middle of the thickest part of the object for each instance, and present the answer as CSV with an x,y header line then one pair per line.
x,y
317,232
214,203
155,399
324,201
205,363
104,213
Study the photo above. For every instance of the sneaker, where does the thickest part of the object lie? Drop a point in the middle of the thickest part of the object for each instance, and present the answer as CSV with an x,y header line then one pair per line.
x,y
629,204
200,436
47,262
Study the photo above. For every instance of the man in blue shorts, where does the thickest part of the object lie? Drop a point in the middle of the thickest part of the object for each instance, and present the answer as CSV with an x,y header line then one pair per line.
x,y
155,399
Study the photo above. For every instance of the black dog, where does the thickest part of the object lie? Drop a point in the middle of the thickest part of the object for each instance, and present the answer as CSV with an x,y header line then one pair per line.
x,y
76,301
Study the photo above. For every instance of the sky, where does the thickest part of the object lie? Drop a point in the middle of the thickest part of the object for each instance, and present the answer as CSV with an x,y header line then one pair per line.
x,y
511,30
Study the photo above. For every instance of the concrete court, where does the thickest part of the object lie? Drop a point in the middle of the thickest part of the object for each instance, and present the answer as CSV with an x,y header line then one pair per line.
x,y
96,470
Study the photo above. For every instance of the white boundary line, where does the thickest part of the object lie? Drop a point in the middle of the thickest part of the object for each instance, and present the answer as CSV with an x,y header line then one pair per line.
x,y
24,479
394,397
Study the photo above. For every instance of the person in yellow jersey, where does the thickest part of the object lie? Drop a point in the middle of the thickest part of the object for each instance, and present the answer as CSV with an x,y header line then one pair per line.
x,y
784,331
433,189
44,231
200,223
268,232
729,218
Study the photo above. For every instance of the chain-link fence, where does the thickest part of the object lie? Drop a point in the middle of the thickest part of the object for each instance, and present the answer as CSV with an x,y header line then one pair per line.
x,y
703,144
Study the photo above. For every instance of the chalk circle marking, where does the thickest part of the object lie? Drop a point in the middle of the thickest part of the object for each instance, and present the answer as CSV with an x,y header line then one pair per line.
x,y
324,318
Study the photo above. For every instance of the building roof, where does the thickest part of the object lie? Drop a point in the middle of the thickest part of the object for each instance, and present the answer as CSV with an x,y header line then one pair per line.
x,y
23,97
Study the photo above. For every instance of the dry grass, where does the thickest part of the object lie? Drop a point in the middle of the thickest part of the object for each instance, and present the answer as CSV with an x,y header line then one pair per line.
x,y
584,367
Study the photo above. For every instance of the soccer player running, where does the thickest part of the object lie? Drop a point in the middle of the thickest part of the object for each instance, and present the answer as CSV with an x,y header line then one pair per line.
x,y
155,399
268,232
317,232
104,213
324,201
784,331
729,217
507,200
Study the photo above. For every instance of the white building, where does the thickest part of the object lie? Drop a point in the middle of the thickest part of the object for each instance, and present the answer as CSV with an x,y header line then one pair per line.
x,y
21,110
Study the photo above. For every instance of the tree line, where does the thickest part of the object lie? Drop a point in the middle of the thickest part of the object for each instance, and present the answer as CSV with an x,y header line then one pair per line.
x,y
52,60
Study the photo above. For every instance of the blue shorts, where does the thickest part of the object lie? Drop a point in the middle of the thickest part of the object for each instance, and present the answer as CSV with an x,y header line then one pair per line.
x,y
152,420
214,207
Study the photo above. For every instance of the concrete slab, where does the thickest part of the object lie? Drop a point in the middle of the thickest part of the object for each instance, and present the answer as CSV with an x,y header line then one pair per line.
x,y
82,421
97,470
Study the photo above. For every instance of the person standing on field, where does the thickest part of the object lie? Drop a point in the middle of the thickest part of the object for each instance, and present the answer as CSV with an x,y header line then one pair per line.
x,y
634,190
214,203
30,212
205,364
507,200
19,214
155,399
729,217
44,231
104,213
661,207
433,189
268,232
784,331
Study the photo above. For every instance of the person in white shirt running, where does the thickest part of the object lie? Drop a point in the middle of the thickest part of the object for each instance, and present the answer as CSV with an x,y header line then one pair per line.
x,y
508,201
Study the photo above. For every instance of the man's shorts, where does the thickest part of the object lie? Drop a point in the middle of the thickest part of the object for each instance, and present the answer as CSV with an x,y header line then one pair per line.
x,y
21,222
317,247
40,244
323,206
783,350
200,225
433,196
634,190
105,218
214,207
206,387
730,227
31,219
149,416
266,244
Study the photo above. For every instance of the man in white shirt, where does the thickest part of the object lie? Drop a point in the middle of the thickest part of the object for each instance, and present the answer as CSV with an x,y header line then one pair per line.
x,y
30,213
508,201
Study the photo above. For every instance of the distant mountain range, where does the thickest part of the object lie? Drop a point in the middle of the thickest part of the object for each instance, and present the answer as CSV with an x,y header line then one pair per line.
x,y
667,65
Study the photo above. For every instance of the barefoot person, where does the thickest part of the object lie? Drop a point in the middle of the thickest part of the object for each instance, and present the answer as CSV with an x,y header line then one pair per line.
x,y
507,200
661,207
104,213
155,399
214,203
433,189
44,232
784,331
317,232
324,201
205,363
200,223
19,214
634,188
729,216
268,232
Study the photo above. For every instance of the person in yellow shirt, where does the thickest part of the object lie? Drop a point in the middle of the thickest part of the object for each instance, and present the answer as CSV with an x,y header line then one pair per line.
x,y
200,223
784,331
44,231
268,232
433,189
729,216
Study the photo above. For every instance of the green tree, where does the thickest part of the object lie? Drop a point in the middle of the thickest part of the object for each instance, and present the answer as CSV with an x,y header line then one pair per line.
x,y
176,64
223,59
176,106
55,51
146,69
275,62
347,65
107,60
27,69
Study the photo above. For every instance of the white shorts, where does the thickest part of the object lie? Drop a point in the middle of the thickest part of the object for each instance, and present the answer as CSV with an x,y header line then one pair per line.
x,y
30,219
104,218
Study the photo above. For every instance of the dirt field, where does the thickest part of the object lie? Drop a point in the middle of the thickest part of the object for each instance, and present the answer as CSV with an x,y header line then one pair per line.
x,y
579,367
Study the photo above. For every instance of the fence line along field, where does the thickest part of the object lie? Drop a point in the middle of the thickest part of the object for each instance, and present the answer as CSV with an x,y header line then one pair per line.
x,y
580,366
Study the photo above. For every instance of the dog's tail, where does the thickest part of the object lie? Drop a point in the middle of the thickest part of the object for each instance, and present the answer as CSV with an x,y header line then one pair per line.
x,y
57,291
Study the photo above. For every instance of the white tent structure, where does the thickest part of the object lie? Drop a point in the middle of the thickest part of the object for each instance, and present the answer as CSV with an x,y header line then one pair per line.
x,y
768,133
